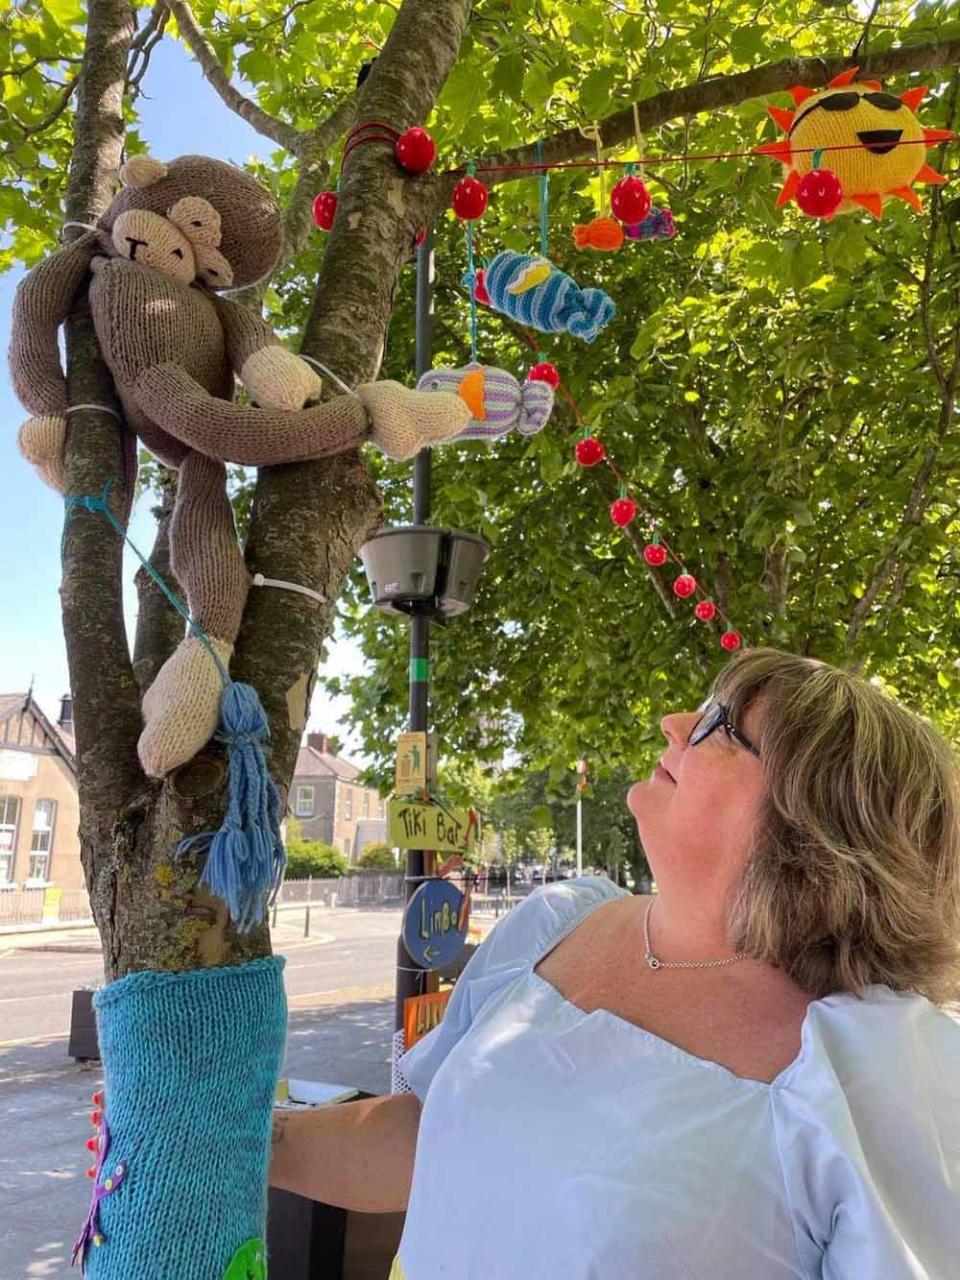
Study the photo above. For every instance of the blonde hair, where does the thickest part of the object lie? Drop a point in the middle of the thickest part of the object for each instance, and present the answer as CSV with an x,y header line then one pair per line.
x,y
853,876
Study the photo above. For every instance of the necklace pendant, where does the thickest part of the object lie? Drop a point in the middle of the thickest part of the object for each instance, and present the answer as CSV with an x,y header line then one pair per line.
x,y
652,960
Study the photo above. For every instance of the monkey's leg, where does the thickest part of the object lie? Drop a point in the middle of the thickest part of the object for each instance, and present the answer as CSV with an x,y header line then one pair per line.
x,y
181,708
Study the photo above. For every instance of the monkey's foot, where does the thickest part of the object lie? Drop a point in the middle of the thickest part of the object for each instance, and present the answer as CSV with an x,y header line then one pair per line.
x,y
181,708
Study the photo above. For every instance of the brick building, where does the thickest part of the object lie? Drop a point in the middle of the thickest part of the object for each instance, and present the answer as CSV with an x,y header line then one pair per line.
x,y
330,804
39,807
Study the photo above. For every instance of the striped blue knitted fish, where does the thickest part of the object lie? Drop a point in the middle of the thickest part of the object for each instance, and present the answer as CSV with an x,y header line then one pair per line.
x,y
497,400
532,290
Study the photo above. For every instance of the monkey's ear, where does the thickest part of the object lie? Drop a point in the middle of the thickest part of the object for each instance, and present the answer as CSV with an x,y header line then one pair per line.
x,y
142,171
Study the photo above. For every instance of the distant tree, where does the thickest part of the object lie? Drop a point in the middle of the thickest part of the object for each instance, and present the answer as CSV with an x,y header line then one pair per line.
x,y
377,856
311,857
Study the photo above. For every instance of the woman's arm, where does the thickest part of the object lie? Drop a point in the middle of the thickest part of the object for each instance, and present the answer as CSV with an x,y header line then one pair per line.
x,y
358,1155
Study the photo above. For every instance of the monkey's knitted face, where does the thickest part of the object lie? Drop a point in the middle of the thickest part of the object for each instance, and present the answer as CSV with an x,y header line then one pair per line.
x,y
195,219
181,243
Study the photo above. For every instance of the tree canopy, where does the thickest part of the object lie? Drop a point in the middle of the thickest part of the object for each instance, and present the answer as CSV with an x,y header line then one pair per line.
x,y
778,391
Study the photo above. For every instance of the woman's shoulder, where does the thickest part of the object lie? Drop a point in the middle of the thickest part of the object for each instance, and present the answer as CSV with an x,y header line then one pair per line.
x,y
866,1121
863,1055
541,919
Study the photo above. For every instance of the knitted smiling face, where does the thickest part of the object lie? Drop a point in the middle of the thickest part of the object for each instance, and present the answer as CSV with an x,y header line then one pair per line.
x,y
869,138
195,219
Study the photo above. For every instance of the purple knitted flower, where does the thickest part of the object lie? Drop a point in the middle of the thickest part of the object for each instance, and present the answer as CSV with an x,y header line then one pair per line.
x,y
497,400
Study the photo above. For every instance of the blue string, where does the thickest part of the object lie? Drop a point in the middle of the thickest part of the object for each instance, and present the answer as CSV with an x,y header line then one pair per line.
x,y
544,203
245,858
472,278
101,506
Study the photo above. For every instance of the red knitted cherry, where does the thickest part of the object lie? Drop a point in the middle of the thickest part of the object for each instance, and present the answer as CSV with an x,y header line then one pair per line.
x,y
91,1173
415,150
95,1118
730,640
480,288
97,1098
544,372
654,554
325,209
469,198
623,511
685,585
706,611
819,194
630,199
590,451
92,1144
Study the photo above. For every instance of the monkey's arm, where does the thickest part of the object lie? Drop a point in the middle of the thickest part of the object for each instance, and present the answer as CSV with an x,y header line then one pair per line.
x,y
238,433
396,420
274,376
42,303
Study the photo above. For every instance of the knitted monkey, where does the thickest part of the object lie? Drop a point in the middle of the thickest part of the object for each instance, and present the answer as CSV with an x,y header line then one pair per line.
x,y
174,235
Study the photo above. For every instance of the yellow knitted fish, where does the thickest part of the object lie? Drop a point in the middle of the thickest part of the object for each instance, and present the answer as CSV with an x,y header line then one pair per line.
x,y
870,138
533,273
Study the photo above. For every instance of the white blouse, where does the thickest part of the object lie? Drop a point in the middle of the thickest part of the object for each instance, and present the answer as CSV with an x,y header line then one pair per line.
x,y
556,1144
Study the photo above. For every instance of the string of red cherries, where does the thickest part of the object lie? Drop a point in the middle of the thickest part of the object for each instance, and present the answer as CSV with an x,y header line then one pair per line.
x,y
589,451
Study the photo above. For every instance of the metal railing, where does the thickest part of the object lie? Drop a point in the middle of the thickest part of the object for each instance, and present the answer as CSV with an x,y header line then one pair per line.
x,y
42,905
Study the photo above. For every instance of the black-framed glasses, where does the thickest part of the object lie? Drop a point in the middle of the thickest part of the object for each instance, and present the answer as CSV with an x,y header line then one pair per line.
x,y
716,716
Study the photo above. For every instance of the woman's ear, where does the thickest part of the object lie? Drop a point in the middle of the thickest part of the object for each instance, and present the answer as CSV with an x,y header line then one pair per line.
x,y
142,171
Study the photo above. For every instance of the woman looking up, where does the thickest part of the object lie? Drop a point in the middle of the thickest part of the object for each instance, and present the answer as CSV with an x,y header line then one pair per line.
x,y
745,1077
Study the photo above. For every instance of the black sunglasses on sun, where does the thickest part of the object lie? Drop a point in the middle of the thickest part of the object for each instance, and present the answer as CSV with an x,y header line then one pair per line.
x,y
716,716
847,102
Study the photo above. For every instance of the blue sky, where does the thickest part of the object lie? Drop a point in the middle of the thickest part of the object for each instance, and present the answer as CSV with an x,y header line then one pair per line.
x,y
180,113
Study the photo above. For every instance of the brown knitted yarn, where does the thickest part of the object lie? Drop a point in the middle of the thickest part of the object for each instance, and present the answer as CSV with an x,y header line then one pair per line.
x,y
251,228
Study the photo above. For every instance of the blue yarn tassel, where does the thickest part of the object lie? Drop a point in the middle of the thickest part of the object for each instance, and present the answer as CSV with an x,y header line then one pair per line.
x,y
246,857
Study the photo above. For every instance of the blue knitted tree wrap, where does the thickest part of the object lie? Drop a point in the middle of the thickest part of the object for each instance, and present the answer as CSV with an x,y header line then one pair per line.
x,y
191,1063
556,304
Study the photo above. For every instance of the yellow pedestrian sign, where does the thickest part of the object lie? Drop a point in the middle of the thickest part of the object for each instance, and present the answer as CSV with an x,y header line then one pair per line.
x,y
411,762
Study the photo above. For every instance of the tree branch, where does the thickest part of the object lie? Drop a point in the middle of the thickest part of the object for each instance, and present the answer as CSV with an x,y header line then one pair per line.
x,y
689,100
159,626
285,134
297,218
309,521
101,674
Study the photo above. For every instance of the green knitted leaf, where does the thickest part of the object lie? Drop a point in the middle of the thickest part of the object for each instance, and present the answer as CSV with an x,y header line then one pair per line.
x,y
248,1263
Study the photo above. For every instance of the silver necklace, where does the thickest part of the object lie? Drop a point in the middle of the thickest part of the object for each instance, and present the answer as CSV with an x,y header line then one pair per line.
x,y
654,963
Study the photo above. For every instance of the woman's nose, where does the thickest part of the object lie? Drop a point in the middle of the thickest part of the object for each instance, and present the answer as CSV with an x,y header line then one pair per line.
x,y
678,725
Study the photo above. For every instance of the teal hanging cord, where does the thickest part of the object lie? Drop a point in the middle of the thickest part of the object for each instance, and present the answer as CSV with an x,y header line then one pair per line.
x,y
472,278
101,506
245,858
544,203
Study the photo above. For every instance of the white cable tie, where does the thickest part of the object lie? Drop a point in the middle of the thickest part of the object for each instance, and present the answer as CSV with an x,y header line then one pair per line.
x,y
260,581
103,408
348,391
87,226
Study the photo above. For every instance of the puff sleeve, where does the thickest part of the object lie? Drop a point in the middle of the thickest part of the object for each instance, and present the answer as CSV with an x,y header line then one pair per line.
x,y
517,942
868,1131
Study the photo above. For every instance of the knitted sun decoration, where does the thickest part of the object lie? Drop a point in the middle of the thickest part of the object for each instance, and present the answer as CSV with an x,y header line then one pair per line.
x,y
870,139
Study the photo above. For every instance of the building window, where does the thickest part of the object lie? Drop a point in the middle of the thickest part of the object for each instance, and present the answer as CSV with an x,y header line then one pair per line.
x,y
44,812
9,818
346,845
304,802
348,811
366,804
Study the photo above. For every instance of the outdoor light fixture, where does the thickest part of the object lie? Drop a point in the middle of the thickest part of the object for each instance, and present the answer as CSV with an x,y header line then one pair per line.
x,y
418,570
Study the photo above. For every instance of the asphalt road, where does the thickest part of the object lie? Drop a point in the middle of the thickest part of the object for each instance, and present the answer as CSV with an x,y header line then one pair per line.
x,y
339,987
